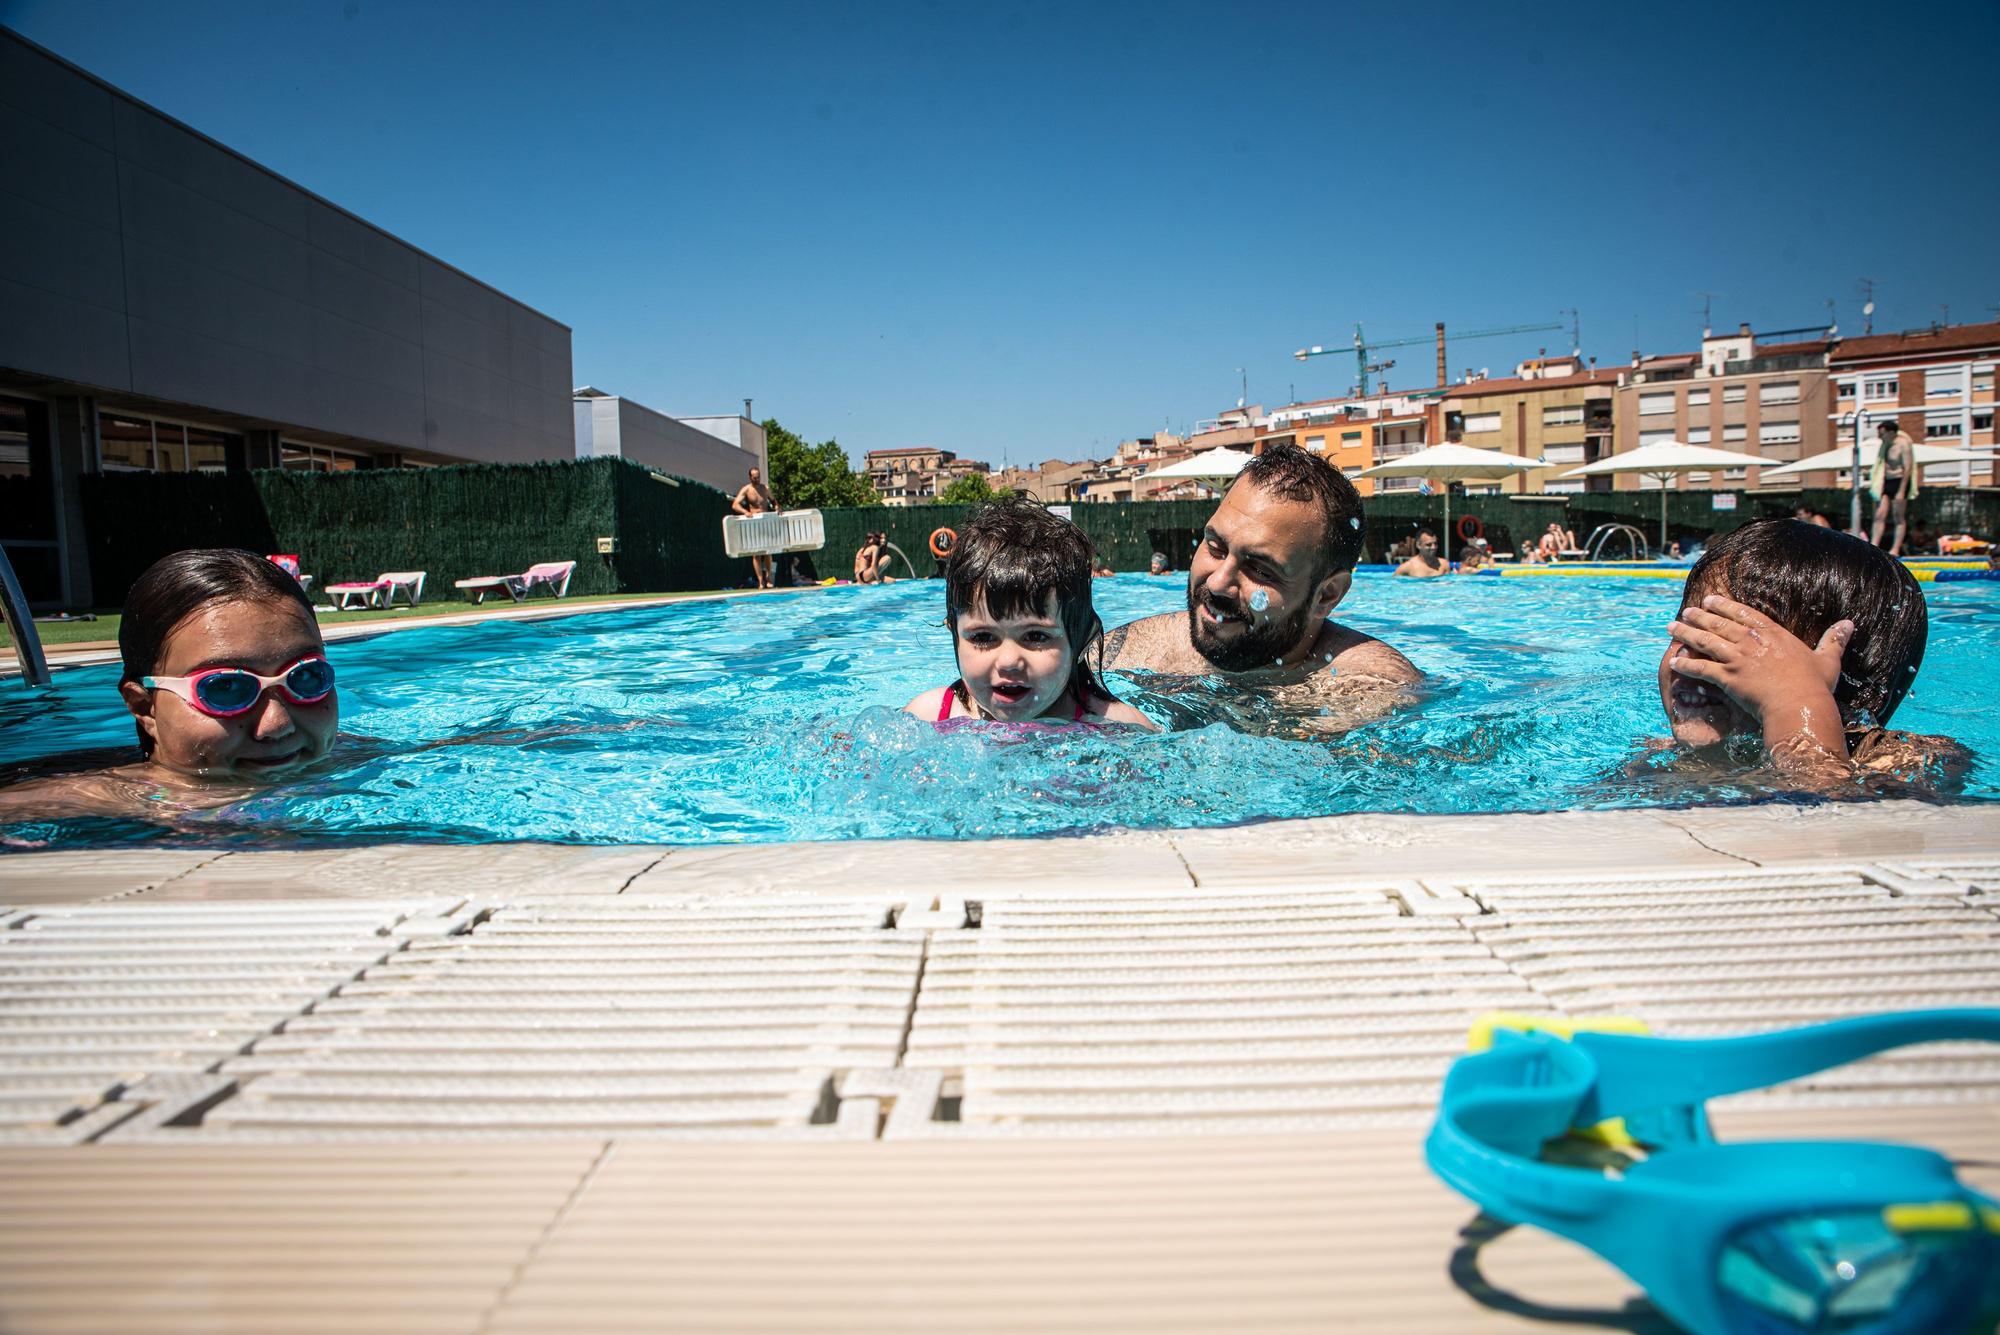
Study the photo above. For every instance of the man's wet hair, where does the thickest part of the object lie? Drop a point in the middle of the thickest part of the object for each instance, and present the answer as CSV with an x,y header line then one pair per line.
x,y
1805,578
1010,557
1294,474
175,587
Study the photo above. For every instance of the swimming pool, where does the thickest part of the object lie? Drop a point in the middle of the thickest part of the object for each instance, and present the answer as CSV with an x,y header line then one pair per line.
x,y
776,718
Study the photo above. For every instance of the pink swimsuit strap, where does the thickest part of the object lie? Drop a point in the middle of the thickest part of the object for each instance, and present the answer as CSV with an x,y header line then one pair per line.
x,y
951,693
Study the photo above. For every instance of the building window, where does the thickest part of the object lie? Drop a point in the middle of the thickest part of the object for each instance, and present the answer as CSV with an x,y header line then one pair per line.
x,y
1735,474
1732,393
1982,382
1563,416
138,444
1317,444
303,458
1735,431
1651,405
1779,391
1877,390
1777,433
1944,426
1476,423
1697,435
1697,398
1946,384
1699,477
1347,436
1655,437
1845,389
1982,421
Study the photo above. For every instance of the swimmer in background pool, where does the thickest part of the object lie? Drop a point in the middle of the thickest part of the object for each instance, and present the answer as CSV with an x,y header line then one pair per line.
x,y
1426,563
1018,603
228,685
1275,559
1800,642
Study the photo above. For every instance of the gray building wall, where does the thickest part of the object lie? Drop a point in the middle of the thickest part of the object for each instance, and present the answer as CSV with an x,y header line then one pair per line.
x,y
138,257
611,425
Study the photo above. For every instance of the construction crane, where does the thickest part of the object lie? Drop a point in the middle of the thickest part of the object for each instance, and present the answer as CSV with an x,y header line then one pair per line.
x,y
1363,349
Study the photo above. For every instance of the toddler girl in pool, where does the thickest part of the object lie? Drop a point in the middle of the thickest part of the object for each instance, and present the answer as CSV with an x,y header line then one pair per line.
x,y
1017,601
1803,640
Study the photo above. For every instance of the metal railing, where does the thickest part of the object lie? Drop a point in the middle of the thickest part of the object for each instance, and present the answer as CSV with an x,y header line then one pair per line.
x,y
1600,536
21,625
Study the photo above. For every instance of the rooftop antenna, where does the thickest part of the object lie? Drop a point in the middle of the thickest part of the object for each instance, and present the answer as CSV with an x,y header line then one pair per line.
x,y
1867,286
1575,331
1243,397
1832,318
1707,299
1946,308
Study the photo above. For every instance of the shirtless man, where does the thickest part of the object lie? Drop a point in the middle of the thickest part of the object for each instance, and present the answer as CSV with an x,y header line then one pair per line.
x,y
1426,564
756,499
1274,561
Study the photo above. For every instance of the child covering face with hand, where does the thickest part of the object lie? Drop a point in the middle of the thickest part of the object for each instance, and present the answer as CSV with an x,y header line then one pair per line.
x,y
1806,640
1018,603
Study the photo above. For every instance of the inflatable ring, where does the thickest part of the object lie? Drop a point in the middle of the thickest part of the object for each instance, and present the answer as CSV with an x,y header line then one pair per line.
x,y
943,541
1469,527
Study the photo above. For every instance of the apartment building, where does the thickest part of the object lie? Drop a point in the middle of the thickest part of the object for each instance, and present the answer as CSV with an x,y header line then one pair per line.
x,y
915,475
1358,432
1554,408
1762,394
1936,382
1054,480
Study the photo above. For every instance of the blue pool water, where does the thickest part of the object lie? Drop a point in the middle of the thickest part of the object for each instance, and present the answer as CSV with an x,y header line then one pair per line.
x,y
776,718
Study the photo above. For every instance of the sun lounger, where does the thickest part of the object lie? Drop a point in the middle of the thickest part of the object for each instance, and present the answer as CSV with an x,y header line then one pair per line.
x,y
378,592
550,575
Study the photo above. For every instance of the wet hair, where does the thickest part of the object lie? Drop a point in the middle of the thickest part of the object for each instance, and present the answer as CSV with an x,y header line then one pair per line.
x,y
1011,555
175,587
1805,578
1295,475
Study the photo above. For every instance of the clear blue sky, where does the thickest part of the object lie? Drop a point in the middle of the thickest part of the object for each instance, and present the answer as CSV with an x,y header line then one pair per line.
x,y
1031,231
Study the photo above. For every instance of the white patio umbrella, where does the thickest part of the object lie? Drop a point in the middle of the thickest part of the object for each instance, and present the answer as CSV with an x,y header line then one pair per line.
x,y
1451,463
1213,465
1664,459
1843,457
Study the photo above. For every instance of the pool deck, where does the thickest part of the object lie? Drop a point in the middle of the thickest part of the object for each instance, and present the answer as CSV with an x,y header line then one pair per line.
x,y
1149,1081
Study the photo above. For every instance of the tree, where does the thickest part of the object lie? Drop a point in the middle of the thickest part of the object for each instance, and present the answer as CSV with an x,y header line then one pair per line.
x,y
967,489
812,477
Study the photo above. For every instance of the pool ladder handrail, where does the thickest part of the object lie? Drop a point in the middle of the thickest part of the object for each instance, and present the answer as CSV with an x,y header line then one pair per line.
x,y
21,625
1593,547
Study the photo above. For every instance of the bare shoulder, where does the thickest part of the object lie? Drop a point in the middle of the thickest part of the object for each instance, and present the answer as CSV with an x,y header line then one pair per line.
x,y
1932,762
927,705
1108,710
1354,655
1146,644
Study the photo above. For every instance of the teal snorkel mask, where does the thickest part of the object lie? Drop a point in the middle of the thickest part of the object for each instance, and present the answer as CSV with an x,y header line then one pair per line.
x,y
1758,1238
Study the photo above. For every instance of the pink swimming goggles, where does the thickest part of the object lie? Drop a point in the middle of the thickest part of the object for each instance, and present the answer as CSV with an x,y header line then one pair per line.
x,y
222,692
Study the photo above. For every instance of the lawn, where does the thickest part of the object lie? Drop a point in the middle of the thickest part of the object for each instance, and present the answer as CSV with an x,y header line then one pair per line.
x,y
106,625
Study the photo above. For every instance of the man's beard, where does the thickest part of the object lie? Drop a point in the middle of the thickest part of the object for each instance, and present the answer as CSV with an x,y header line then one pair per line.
x,y
1257,646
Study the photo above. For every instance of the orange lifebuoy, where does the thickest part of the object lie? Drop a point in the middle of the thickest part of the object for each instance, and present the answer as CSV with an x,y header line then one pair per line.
x,y
1469,527
942,542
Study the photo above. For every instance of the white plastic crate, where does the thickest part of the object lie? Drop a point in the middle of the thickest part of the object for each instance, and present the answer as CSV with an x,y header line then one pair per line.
x,y
767,535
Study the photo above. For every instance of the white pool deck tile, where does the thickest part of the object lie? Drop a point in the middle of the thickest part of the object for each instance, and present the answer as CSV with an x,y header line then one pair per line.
x,y
1140,1081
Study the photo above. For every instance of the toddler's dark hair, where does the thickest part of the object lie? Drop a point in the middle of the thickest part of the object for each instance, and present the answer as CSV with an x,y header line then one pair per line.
x,y
1011,556
175,587
1805,578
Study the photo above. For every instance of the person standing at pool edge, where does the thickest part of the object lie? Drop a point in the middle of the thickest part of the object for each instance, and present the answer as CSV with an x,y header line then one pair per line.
x,y
1274,561
754,498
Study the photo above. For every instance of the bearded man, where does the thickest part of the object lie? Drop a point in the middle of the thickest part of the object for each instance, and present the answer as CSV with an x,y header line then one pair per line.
x,y
1276,558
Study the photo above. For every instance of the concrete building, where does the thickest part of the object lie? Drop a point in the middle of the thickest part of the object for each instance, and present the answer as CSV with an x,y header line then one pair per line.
x,y
1555,408
916,474
1937,382
170,304
1054,481
607,424
1358,432
1756,394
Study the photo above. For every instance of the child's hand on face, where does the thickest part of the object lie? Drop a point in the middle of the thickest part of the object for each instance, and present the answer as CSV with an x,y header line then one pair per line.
x,y
1770,673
